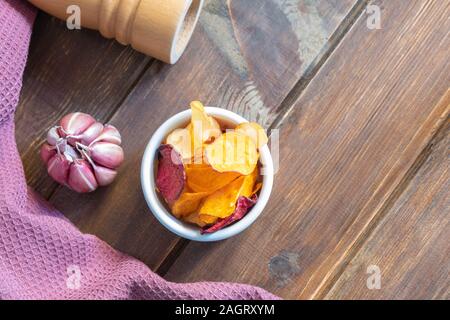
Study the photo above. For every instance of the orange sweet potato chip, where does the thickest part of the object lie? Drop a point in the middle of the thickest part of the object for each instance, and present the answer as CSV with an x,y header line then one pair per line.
x,y
254,131
222,203
187,203
256,188
207,219
232,151
195,219
243,206
203,178
249,184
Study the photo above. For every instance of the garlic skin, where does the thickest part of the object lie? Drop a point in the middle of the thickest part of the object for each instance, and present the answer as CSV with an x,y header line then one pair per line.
x,y
76,123
106,154
104,175
81,153
81,178
53,136
109,134
89,135
58,168
47,152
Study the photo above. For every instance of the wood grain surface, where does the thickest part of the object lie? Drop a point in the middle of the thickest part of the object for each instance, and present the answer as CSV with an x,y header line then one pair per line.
x,y
410,245
349,142
360,114
219,68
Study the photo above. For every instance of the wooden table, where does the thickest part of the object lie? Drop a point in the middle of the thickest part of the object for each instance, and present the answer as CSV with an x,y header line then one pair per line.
x,y
362,113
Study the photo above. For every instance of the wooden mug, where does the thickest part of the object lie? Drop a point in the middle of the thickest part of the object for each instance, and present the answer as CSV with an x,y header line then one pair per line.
x,y
158,28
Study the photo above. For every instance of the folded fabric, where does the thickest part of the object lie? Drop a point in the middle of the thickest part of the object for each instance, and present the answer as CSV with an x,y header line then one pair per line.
x,y
42,255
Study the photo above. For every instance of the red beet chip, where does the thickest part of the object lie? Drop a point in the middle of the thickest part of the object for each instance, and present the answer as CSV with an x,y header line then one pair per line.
x,y
243,206
171,177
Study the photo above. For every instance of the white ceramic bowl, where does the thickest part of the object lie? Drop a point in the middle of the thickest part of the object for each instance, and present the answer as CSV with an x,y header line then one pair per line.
x,y
159,210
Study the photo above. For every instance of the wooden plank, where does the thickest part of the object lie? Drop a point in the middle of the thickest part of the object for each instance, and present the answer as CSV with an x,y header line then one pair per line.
x,y
351,138
410,245
244,56
68,71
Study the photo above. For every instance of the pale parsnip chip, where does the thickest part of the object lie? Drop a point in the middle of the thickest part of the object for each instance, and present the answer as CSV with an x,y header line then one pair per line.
x,y
181,141
254,131
204,128
232,151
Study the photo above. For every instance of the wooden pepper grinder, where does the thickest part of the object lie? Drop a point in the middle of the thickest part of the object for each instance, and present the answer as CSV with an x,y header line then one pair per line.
x,y
158,28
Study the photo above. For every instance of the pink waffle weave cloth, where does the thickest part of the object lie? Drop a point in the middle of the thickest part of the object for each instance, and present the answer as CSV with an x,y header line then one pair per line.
x,y
42,255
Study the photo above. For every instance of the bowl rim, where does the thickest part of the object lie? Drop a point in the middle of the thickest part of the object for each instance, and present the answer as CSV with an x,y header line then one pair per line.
x,y
166,218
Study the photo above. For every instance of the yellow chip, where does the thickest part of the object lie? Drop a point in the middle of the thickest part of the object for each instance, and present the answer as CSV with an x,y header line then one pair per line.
x,y
222,203
203,178
254,131
204,128
232,151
